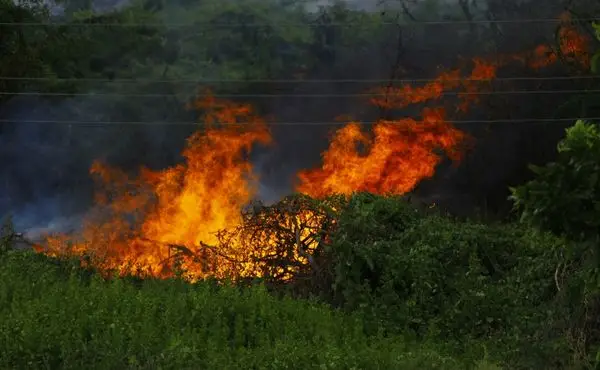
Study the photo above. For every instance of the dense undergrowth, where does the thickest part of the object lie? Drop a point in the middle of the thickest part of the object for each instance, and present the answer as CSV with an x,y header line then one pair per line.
x,y
413,290
55,315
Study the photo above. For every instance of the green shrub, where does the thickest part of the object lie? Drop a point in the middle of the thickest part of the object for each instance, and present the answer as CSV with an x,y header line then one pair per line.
x,y
52,318
564,197
454,281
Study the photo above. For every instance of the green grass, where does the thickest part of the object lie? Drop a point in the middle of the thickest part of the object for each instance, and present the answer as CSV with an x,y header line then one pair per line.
x,y
54,315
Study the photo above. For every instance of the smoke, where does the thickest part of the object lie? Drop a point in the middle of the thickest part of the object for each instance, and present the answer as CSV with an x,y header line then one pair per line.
x,y
41,175
40,219
47,148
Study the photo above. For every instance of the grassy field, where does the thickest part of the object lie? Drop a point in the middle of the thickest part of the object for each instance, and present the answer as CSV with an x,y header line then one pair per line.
x,y
54,315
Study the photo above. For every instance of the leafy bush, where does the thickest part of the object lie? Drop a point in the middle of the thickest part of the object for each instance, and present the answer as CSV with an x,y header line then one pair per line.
x,y
456,281
50,318
565,195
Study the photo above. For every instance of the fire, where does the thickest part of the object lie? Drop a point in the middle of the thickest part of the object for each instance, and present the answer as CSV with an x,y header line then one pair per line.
x,y
193,217
140,220
398,154
572,46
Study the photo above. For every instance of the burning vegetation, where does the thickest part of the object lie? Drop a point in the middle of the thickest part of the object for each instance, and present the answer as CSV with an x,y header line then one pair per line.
x,y
198,219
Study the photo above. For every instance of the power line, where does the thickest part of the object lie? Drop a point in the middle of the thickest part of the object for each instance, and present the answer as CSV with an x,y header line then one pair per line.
x,y
337,123
210,80
292,24
273,96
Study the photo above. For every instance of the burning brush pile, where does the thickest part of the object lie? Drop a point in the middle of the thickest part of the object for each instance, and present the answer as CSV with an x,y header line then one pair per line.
x,y
198,218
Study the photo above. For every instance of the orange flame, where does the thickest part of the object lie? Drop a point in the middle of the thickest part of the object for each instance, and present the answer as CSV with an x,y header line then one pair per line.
x,y
186,205
572,46
399,155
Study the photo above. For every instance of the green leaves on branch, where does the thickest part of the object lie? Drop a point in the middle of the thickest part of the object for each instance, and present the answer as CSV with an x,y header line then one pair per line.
x,y
564,198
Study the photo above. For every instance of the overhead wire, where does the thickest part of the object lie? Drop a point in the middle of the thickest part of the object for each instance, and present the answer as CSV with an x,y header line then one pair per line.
x,y
304,96
223,80
306,123
299,24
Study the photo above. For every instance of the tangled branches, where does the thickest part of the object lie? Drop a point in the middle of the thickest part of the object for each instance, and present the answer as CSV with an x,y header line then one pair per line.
x,y
276,242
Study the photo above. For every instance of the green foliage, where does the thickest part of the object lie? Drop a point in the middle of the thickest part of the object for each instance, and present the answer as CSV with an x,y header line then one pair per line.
x,y
406,279
248,39
409,279
360,248
25,50
453,281
564,197
50,318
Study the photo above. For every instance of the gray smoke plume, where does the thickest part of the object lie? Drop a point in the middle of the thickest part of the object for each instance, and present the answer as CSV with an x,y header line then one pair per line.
x,y
47,148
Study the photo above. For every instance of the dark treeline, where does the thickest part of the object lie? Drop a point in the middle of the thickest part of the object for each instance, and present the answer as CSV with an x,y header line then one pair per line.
x,y
81,61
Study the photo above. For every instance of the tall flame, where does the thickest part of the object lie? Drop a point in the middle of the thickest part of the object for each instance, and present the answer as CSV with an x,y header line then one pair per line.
x,y
142,218
399,155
